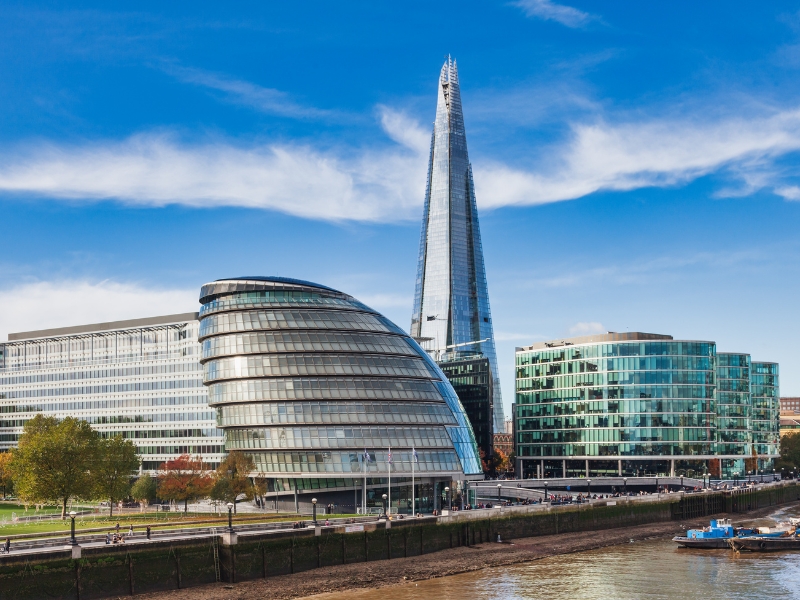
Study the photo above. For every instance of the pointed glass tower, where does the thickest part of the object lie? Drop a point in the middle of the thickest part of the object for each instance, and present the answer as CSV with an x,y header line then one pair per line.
x,y
451,302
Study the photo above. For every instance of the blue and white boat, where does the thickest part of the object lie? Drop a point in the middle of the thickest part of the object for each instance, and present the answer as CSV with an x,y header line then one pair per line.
x,y
716,535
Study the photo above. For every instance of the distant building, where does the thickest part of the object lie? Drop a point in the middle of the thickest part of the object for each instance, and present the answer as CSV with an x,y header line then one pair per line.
x,y
790,423
140,378
790,404
640,403
471,378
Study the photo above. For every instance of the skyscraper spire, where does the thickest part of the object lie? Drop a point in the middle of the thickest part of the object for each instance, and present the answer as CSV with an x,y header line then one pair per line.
x,y
451,300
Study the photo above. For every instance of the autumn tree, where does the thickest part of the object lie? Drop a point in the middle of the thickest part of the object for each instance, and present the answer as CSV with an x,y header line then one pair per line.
x,y
5,471
145,489
184,478
232,479
54,460
116,463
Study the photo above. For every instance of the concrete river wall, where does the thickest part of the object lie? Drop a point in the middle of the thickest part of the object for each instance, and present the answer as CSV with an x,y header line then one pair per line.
x,y
105,571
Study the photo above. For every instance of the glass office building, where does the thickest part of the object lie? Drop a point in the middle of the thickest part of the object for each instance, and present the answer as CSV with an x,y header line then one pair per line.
x,y
451,313
141,378
637,404
766,411
322,391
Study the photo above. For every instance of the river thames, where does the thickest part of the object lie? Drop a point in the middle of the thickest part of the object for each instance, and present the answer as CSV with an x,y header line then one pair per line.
x,y
651,569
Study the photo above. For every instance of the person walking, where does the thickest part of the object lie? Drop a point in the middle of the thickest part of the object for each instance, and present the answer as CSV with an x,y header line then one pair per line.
x,y
7,545
130,529
148,532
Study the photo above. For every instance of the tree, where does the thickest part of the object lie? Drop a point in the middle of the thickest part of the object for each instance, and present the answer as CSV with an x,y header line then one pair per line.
x,y
790,452
145,489
116,463
232,479
5,471
184,478
261,486
53,461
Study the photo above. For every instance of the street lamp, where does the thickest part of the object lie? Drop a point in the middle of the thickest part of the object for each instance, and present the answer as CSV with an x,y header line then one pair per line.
x,y
761,471
588,489
625,483
499,485
447,498
230,517
657,492
314,509
72,539
546,497
682,489
735,475
384,497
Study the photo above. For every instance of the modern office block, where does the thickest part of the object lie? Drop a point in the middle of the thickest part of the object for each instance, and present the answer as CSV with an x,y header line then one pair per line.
x,y
140,378
637,403
451,301
471,378
765,419
321,391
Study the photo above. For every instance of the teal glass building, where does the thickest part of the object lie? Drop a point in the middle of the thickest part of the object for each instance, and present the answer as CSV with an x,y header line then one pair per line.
x,y
641,404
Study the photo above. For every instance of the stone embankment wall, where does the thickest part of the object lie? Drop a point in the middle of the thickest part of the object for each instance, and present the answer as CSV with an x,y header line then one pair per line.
x,y
139,568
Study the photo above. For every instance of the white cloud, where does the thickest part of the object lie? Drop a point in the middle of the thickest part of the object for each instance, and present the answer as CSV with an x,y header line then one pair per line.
x,y
587,328
263,99
404,130
156,170
789,192
627,156
550,11
45,304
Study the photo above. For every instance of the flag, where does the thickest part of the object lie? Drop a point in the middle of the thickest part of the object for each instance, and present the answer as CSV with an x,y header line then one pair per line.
x,y
414,454
389,459
367,457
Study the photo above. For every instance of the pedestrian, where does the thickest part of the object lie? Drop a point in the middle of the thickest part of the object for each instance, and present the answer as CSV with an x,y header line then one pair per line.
x,y
7,545
117,527
148,532
108,538
130,529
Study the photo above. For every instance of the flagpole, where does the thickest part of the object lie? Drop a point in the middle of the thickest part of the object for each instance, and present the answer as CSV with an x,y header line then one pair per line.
x,y
364,493
413,500
389,503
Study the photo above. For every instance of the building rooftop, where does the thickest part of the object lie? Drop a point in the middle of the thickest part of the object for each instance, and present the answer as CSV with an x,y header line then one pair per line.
x,y
597,338
97,327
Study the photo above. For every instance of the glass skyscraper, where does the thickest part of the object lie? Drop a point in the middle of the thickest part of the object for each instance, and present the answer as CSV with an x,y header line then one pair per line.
x,y
451,300
322,391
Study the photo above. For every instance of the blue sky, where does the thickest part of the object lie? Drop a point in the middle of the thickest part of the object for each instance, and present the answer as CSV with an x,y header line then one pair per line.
x,y
636,165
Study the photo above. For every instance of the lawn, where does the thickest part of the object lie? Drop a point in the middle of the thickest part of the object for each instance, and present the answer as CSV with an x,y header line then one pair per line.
x,y
139,520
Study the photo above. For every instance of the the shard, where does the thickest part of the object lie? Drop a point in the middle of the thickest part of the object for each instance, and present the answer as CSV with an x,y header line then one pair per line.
x,y
451,316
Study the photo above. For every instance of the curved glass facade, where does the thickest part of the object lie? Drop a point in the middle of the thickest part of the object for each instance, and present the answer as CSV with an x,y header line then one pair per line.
x,y
305,379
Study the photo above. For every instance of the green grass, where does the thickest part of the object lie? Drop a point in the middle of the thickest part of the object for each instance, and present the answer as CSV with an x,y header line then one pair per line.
x,y
139,520
7,510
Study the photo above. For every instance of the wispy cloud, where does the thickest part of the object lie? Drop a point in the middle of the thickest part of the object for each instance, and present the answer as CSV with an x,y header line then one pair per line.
x,y
157,170
43,304
550,11
263,99
656,153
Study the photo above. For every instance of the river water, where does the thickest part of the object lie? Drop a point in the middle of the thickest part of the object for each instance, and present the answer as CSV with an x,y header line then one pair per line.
x,y
650,569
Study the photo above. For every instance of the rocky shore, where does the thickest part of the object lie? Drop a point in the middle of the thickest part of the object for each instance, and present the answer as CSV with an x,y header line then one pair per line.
x,y
440,564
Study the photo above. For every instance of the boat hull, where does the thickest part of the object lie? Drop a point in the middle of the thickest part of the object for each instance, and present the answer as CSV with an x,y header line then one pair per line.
x,y
705,543
765,544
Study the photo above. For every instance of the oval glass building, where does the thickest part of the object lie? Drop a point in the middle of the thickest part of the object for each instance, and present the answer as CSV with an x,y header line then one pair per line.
x,y
325,393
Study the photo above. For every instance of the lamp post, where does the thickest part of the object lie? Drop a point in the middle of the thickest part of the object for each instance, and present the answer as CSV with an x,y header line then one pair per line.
x,y
735,475
625,484
447,498
499,485
546,497
314,511
682,489
384,498
588,489
230,517
657,492
761,471
72,539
